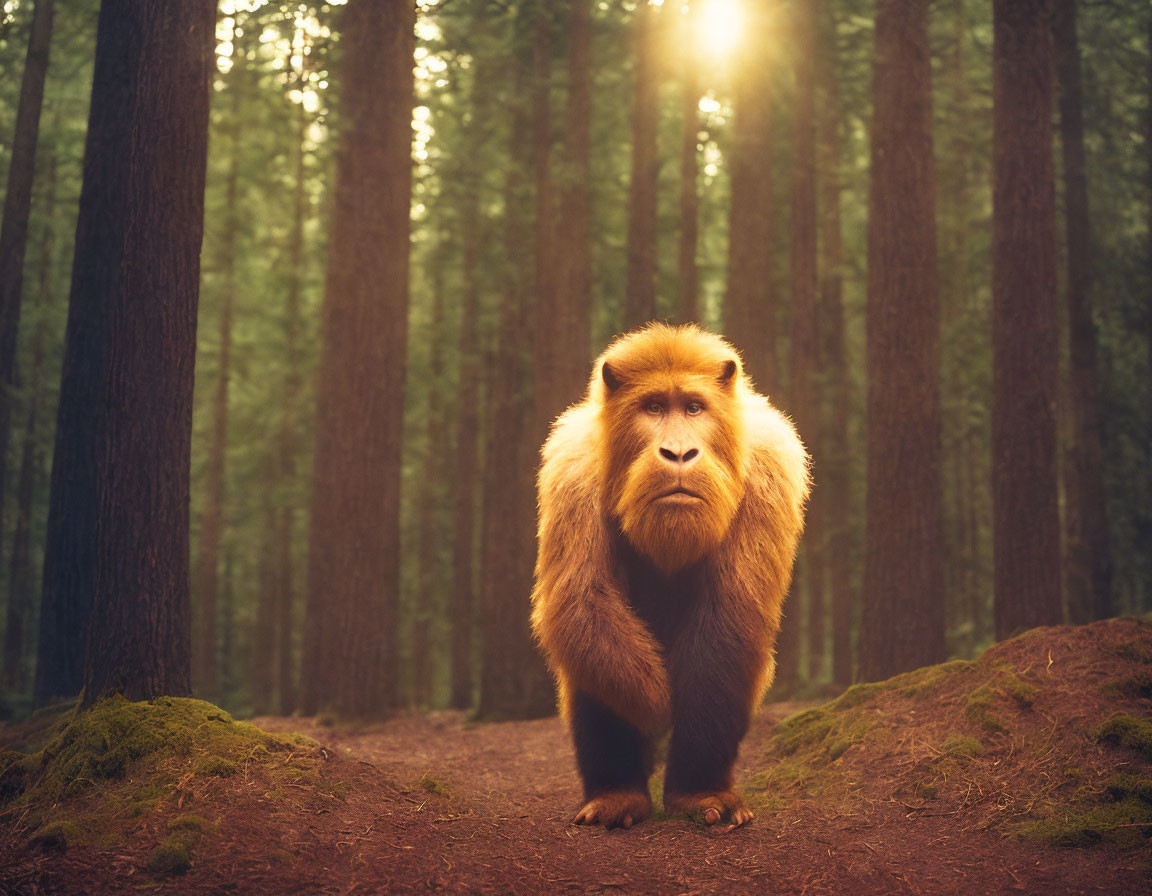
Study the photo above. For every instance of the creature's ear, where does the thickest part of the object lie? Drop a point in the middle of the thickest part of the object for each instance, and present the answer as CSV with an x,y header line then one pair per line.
x,y
611,380
728,374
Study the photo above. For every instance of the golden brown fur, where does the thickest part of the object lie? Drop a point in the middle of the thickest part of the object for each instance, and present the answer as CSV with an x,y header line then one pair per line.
x,y
612,541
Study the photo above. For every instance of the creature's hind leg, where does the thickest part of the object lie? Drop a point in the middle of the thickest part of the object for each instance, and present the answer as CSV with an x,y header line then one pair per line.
x,y
614,760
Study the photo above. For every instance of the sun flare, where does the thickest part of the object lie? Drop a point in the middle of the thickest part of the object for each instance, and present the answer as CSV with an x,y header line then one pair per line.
x,y
720,26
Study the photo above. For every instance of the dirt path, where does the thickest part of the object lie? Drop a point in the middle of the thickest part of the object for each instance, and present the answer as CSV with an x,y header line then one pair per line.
x,y
505,828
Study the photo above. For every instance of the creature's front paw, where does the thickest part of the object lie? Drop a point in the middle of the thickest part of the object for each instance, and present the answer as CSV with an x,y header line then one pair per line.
x,y
615,809
711,807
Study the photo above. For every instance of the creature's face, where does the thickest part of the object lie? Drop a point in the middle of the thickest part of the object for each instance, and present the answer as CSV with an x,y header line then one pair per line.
x,y
675,450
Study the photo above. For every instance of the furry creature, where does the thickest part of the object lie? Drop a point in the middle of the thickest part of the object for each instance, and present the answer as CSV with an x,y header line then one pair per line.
x,y
671,504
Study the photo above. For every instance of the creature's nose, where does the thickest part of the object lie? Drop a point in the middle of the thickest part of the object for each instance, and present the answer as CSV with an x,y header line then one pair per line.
x,y
676,455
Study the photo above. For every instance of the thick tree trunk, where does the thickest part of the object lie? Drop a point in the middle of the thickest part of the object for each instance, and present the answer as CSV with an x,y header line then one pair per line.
x,y
903,616
116,564
640,285
14,225
835,494
20,582
750,312
1088,568
1026,527
350,662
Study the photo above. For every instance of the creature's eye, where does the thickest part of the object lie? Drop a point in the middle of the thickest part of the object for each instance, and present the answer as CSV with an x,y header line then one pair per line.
x,y
654,407
694,408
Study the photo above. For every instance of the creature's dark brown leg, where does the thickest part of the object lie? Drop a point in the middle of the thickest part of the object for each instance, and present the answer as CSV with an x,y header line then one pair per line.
x,y
614,760
711,700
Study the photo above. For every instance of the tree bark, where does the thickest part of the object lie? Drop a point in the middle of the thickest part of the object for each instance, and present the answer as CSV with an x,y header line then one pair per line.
x,y
640,284
750,312
1026,527
116,565
1088,568
20,582
902,624
14,224
350,663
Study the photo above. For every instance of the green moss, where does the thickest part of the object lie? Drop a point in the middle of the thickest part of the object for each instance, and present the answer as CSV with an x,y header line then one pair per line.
x,y
1022,693
189,823
1121,786
430,784
1128,731
1126,823
961,746
56,835
216,767
170,857
978,710
908,684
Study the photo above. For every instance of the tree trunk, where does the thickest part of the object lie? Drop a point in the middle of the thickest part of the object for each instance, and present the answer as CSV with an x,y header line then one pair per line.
x,y
206,577
14,225
750,312
20,596
835,495
511,672
288,437
1026,527
351,641
689,307
640,285
1088,568
804,342
262,654
431,500
116,564
902,625
568,334
467,421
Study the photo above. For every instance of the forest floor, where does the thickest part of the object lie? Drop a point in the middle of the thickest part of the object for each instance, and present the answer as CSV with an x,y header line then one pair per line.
x,y
1027,771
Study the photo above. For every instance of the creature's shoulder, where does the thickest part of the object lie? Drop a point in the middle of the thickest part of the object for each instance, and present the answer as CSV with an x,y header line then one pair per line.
x,y
571,453
777,457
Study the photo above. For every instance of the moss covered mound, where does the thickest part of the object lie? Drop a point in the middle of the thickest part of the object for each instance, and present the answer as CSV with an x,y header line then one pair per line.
x,y
1047,736
121,770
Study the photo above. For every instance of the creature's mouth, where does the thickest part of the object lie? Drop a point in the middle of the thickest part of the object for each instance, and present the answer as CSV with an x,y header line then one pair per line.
x,y
679,492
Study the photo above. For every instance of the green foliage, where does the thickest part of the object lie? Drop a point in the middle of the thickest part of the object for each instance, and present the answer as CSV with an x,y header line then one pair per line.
x,y
170,857
56,835
1128,731
1126,823
961,746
